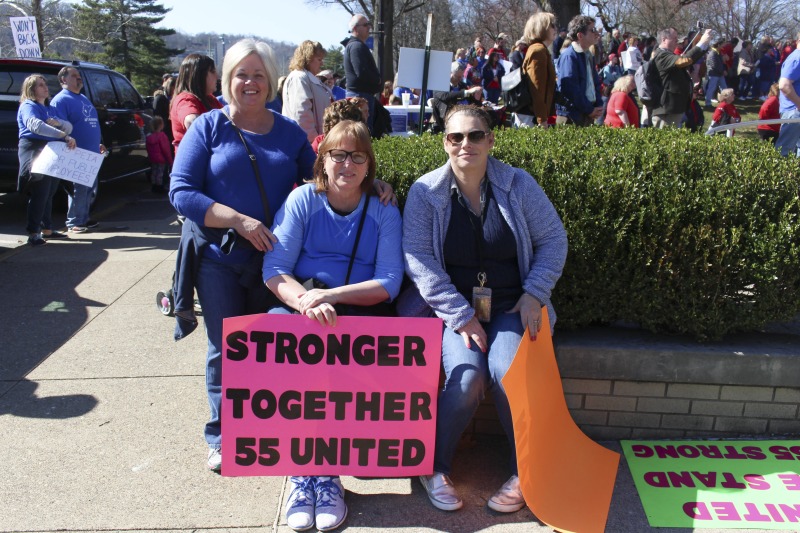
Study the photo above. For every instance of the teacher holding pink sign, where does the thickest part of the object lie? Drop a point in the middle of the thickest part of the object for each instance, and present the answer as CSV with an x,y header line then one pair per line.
x,y
350,263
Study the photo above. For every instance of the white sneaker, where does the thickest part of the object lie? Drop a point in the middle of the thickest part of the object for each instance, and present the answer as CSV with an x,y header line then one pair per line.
x,y
330,510
441,492
300,504
214,462
508,499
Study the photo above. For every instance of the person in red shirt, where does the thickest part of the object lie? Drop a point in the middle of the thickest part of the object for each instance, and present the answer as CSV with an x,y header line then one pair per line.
x,y
770,109
726,112
622,111
197,80
499,47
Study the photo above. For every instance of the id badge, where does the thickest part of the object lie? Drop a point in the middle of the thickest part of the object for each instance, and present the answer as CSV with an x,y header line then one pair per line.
x,y
482,303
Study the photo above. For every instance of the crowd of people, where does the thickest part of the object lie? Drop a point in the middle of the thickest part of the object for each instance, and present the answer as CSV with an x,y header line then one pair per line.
x,y
276,181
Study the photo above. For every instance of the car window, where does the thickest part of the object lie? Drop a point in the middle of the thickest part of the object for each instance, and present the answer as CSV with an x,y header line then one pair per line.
x,y
11,82
103,94
128,96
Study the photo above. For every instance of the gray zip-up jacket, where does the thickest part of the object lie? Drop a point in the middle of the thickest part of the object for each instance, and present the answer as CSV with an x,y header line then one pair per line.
x,y
540,236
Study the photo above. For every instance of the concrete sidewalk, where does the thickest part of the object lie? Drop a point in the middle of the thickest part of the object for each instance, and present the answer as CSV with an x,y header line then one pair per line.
x,y
103,411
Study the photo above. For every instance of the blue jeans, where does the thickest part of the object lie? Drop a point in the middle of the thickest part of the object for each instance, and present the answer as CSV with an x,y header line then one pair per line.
x,y
745,84
468,372
714,83
224,291
370,98
79,201
789,137
40,204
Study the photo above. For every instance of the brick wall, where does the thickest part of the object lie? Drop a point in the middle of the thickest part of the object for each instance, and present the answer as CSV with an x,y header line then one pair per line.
x,y
621,384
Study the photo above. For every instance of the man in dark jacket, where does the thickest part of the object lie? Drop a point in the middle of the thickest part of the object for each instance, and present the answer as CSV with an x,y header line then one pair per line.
x,y
675,78
362,77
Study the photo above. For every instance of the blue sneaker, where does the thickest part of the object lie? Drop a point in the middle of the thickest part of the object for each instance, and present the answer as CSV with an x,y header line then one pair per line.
x,y
331,509
300,504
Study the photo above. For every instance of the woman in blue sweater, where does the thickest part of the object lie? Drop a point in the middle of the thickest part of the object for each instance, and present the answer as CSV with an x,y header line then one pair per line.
x,y
337,235
38,125
484,252
214,185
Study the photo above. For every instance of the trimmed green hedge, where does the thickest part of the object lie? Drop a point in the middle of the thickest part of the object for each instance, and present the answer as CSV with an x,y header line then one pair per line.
x,y
676,232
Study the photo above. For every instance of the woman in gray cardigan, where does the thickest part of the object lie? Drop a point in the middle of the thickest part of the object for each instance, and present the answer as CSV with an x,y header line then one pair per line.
x,y
305,97
484,251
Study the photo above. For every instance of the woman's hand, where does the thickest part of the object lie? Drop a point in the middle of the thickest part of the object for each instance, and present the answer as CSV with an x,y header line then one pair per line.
x,y
315,298
70,142
385,192
530,313
325,314
474,331
256,232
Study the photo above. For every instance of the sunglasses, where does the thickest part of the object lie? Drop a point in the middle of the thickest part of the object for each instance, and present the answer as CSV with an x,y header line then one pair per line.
x,y
340,156
476,136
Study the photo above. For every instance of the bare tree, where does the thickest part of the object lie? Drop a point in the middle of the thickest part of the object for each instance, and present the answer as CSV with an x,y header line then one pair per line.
x,y
643,16
747,19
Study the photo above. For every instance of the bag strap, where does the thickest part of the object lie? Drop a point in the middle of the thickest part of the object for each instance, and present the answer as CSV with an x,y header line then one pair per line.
x,y
355,244
264,199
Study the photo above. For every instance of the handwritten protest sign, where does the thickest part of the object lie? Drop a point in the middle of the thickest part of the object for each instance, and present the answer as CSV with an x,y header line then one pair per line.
x,y
299,398
26,36
719,484
567,479
76,165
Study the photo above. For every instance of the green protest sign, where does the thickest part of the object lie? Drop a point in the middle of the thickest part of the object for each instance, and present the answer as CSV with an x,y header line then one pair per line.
x,y
718,484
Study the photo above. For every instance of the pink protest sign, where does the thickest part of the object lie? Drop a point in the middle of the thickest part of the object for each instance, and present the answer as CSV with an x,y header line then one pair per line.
x,y
357,399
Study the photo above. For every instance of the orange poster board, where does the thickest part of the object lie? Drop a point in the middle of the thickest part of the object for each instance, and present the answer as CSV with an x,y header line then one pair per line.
x,y
567,479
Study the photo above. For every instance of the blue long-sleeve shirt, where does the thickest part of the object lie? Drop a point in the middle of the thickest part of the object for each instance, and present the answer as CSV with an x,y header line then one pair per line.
x,y
212,166
314,241
32,122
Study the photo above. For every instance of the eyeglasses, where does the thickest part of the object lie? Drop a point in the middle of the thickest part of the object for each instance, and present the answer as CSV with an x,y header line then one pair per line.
x,y
475,137
340,156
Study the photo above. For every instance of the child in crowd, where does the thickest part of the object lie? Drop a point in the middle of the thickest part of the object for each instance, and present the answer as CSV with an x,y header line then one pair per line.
x,y
159,151
694,118
726,112
347,109
770,109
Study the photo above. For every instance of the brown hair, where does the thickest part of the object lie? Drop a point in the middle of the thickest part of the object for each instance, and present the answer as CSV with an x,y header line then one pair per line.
x,y
338,111
472,111
347,129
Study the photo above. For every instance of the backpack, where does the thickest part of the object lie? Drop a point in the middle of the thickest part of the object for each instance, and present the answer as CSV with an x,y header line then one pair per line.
x,y
649,86
516,94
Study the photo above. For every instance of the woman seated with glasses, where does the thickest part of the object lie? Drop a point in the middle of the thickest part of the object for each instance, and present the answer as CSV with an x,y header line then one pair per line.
x,y
336,236
484,252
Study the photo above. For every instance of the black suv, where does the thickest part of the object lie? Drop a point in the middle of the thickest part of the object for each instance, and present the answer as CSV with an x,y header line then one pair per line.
x,y
123,115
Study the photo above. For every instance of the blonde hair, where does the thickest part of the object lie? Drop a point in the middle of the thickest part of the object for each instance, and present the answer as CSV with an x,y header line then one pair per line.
x,y
538,25
359,134
237,53
725,93
774,89
621,85
304,53
28,89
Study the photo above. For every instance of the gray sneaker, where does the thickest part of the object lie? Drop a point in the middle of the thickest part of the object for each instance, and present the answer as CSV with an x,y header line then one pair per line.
x,y
441,492
331,509
508,499
214,462
300,504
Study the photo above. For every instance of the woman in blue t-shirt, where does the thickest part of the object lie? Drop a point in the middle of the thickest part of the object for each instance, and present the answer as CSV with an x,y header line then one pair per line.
x,y
38,124
337,237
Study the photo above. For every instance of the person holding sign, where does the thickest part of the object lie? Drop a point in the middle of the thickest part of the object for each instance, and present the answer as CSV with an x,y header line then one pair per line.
x,y
335,235
38,124
74,105
218,188
484,252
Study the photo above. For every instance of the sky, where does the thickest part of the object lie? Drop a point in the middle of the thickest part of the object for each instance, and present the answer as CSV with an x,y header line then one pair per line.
x,y
290,21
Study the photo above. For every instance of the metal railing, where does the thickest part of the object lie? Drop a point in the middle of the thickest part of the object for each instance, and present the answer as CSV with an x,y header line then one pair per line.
x,y
731,127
